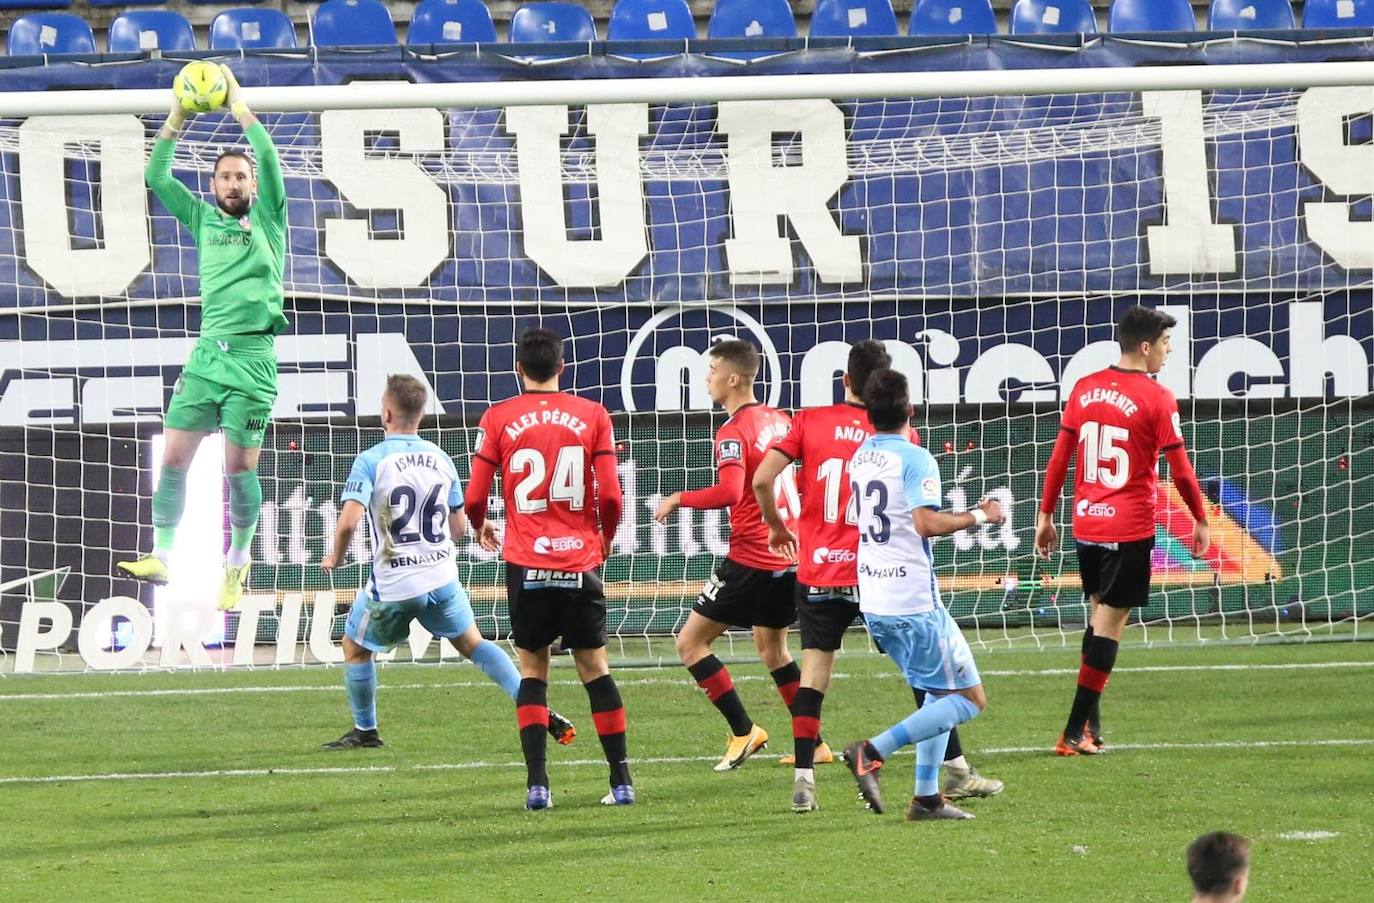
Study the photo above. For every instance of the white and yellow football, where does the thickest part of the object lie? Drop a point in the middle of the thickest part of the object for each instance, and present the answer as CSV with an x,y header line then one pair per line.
x,y
200,87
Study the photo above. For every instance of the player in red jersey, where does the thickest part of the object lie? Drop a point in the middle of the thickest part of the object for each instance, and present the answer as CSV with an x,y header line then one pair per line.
x,y
1116,421
826,548
752,587
556,456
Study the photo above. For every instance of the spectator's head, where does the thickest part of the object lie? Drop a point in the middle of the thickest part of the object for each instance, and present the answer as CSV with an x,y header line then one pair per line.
x,y
864,358
403,403
732,368
539,355
888,400
1143,334
1219,864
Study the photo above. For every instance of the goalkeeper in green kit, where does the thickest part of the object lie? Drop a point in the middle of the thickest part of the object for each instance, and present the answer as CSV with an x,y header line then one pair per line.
x,y
230,381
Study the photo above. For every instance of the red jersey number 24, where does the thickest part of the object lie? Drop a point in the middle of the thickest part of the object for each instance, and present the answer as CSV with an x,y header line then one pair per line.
x,y
568,483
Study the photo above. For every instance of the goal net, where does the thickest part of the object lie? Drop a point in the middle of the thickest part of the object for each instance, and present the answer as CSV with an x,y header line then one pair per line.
x,y
989,241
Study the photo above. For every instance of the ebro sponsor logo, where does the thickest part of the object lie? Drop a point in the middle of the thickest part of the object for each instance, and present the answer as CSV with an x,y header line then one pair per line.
x,y
1096,509
544,544
824,555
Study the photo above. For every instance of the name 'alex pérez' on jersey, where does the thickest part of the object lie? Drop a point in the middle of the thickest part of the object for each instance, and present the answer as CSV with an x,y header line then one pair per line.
x,y
408,486
890,478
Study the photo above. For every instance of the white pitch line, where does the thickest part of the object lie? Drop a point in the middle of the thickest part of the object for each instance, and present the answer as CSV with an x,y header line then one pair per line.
x,y
653,681
576,763
1309,835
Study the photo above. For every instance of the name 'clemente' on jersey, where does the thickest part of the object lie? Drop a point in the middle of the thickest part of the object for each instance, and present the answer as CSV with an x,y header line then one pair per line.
x,y
1116,399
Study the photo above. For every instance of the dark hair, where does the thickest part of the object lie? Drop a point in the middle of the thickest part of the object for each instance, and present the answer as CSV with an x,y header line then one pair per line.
x,y
408,395
864,358
233,152
1141,324
540,353
888,399
739,356
1216,860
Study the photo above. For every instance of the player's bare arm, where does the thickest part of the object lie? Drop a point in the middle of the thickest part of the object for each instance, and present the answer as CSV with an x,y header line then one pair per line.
x,y
457,524
349,518
1046,535
930,522
781,541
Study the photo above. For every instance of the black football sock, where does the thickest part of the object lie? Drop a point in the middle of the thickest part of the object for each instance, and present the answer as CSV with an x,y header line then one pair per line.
x,y
806,725
608,713
1095,716
532,714
711,675
788,680
1092,681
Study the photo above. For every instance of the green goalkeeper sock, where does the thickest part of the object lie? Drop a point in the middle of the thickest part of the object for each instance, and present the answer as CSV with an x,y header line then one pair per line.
x,y
169,502
245,501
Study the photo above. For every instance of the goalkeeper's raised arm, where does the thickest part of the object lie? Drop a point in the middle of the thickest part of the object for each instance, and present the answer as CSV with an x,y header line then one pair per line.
x,y
271,189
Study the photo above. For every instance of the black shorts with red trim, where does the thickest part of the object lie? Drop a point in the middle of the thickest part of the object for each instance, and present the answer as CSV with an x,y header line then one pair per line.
x,y
1118,573
824,613
742,596
547,605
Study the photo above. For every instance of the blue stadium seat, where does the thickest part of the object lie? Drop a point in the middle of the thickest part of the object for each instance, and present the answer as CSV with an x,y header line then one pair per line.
x,y
1151,15
1238,15
151,29
252,29
451,22
551,21
35,4
1338,14
1053,17
124,2
352,23
853,18
651,20
940,17
50,33
752,19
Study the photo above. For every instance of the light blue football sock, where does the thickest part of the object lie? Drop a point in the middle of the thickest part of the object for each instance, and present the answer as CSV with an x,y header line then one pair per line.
x,y
930,753
361,682
933,718
494,662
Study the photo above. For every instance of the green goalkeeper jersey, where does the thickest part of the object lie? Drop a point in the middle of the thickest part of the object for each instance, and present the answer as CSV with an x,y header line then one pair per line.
x,y
241,258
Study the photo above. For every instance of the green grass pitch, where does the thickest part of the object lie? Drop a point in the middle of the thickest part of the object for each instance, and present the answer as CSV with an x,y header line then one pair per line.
x,y
212,786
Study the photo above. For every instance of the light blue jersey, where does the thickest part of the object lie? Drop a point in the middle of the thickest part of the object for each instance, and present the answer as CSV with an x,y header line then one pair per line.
x,y
408,486
891,478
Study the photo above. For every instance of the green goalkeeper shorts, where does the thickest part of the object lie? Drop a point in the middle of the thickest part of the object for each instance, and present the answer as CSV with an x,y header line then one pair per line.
x,y
229,383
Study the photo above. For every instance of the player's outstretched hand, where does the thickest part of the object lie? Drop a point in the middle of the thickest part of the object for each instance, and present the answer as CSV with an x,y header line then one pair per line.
x,y
1202,538
330,561
177,115
667,507
487,537
234,94
782,542
993,510
1046,536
